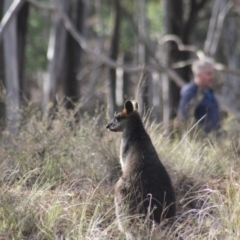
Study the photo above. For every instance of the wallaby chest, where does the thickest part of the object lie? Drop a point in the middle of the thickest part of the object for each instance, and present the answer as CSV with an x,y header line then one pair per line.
x,y
124,155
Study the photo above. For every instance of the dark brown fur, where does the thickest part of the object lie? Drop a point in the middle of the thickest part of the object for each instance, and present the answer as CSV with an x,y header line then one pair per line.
x,y
144,188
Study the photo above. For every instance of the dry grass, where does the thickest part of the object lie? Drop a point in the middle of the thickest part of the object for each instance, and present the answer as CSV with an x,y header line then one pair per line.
x,y
57,180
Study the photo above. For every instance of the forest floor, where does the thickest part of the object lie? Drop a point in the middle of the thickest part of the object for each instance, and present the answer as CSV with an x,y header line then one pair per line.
x,y
58,176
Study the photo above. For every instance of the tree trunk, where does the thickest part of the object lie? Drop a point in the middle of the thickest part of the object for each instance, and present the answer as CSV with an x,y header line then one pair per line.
x,y
145,98
2,74
174,26
56,54
114,48
12,74
231,86
96,65
127,84
22,35
73,55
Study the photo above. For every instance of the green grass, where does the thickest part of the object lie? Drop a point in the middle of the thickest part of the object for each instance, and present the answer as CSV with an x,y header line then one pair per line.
x,y
58,176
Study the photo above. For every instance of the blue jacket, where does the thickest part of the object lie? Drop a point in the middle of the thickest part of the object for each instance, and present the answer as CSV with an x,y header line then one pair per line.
x,y
206,108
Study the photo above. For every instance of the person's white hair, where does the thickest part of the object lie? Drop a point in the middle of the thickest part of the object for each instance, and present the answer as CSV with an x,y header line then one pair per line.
x,y
199,65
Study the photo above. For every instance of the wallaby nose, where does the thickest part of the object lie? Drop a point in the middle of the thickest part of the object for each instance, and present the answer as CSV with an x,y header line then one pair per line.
x,y
108,126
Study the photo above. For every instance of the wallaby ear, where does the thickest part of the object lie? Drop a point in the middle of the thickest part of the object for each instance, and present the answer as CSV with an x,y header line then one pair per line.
x,y
128,106
135,105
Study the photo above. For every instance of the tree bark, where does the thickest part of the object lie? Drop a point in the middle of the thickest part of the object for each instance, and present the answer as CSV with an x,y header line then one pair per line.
x,y
56,54
145,98
2,74
174,26
127,84
97,64
73,55
1,49
22,35
12,74
9,14
114,48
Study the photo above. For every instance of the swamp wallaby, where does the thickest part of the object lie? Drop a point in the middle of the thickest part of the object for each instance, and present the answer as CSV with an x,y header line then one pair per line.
x,y
145,188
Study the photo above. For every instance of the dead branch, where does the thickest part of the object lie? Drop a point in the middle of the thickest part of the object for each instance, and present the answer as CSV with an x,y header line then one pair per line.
x,y
11,12
182,64
131,69
220,67
178,41
101,57
106,60
217,66
16,5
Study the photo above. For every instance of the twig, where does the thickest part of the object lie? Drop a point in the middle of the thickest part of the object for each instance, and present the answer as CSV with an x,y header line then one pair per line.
x,y
182,64
149,195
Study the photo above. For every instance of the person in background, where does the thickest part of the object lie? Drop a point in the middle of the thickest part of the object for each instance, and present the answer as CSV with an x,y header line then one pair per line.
x,y
197,99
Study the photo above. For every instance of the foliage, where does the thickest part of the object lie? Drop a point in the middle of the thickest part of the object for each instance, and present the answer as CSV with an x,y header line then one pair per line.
x,y
57,180
39,23
156,18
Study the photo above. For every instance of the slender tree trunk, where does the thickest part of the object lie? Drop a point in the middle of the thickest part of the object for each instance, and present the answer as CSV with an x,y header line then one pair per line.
x,y
73,55
2,74
127,84
211,27
12,74
114,55
96,65
22,35
1,9
56,54
231,86
174,26
142,91
145,98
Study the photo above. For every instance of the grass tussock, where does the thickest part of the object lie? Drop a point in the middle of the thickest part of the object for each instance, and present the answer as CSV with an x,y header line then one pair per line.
x,y
58,176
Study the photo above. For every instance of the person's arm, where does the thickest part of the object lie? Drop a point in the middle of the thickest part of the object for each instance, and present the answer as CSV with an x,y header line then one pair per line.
x,y
186,104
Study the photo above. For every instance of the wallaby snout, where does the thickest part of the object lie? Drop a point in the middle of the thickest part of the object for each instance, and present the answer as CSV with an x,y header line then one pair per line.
x,y
111,127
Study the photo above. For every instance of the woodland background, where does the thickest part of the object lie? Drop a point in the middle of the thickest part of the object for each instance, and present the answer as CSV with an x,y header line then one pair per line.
x,y
107,51
65,67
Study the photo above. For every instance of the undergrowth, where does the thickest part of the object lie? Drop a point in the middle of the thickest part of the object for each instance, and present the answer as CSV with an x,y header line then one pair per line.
x,y
58,175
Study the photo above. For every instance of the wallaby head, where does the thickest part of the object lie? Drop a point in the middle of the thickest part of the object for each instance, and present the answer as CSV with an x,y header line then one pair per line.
x,y
119,120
